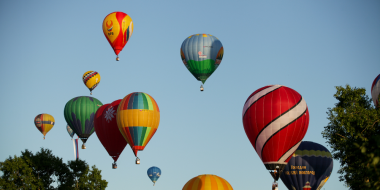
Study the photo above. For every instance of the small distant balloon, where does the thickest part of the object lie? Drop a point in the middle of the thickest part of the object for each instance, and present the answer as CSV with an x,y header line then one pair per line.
x,y
118,29
154,173
91,79
44,123
70,131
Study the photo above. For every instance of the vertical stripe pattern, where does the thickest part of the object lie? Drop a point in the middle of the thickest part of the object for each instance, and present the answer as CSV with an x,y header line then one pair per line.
x,y
138,117
275,119
76,150
207,182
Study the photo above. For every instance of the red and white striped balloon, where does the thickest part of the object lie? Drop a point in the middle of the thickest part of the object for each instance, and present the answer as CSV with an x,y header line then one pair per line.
x,y
275,119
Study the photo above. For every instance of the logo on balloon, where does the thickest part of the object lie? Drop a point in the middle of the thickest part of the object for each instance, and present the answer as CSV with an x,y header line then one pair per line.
x,y
201,56
110,113
109,26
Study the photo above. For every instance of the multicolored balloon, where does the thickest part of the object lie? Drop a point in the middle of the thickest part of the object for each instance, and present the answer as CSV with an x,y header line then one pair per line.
x,y
44,123
207,182
118,29
91,79
138,117
70,131
80,114
154,173
270,114
202,54
375,90
310,167
108,132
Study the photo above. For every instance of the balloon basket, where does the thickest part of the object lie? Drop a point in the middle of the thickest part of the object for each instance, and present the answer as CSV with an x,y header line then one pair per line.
x,y
114,166
83,146
117,59
202,88
137,161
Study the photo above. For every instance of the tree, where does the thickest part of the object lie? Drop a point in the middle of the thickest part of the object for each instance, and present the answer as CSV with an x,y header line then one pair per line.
x,y
43,169
17,175
353,133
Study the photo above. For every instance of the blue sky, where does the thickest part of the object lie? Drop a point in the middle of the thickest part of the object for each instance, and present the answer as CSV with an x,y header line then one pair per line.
x,y
310,46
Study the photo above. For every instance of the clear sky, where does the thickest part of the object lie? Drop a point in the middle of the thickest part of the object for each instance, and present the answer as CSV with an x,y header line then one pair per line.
x,y
310,46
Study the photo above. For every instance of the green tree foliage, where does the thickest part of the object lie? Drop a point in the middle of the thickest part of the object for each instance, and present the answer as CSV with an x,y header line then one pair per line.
x,y
354,136
43,170
17,175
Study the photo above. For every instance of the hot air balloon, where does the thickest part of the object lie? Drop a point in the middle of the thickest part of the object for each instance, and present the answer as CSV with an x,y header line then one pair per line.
x,y
207,182
44,123
375,91
70,131
91,79
202,54
118,28
80,113
154,173
275,119
107,131
310,166
138,117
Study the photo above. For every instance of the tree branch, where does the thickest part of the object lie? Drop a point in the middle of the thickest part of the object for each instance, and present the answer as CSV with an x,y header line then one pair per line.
x,y
341,135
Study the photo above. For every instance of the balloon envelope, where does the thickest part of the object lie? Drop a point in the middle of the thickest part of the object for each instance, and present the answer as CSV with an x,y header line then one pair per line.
x,y
311,165
44,123
118,29
79,114
70,131
375,90
107,131
275,119
138,117
202,54
91,79
154,173
207,182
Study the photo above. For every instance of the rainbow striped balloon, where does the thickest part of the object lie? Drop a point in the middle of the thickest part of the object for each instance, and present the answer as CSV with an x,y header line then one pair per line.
x,y
138,117
207,182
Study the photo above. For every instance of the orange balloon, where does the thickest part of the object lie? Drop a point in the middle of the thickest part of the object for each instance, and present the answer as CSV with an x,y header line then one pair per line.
x,y
207,182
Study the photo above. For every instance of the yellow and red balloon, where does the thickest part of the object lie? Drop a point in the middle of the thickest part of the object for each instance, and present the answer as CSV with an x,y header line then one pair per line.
x,y
138,117
44,123
118,29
